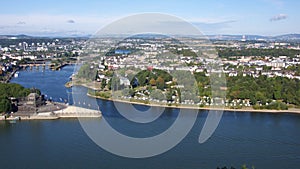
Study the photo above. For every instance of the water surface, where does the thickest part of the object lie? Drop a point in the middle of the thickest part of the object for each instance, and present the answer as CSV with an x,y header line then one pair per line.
x,y
259,139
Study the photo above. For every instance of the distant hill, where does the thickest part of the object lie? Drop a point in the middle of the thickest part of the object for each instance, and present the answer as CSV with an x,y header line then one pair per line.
x,y
289,37
285,37
15,37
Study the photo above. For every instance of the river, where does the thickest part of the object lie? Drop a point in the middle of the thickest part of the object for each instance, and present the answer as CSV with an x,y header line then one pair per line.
x,y
262,140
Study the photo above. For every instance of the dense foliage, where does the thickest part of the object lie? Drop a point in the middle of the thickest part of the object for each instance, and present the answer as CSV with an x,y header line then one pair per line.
x,y
294,68
263,89
8,90
88,72
228,52
260,91
155,77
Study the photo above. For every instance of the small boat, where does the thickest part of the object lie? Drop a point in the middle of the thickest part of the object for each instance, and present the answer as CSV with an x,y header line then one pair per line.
x,y
16,74
15,119
18,118
71,77
12,121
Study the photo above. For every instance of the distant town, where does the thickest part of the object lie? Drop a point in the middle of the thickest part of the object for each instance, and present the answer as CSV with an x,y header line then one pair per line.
x,y
260,72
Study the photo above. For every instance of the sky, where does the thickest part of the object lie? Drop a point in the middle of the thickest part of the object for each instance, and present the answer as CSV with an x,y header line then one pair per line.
x,y
211,17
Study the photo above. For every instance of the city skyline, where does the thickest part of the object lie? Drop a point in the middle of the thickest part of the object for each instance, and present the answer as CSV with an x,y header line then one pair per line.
x,y
65,18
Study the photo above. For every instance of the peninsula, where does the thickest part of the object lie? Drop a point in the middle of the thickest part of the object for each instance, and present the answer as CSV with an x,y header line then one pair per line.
x,y
162,71
19,103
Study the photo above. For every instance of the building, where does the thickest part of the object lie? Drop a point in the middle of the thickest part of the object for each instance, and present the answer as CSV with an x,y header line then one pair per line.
x,y
124,81
33,99
276,63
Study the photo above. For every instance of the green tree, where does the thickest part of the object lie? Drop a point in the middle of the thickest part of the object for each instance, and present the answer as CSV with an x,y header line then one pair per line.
x,y
88,72
114,83
128,92
152,82
8,90
5,105
157,94
160,83
103,84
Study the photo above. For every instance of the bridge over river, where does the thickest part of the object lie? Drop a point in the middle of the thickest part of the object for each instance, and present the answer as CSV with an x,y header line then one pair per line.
x,y
44,65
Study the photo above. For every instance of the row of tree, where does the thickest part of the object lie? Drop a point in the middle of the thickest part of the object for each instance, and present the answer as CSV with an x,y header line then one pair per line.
x,y
228,52
264,89
259,90
155,77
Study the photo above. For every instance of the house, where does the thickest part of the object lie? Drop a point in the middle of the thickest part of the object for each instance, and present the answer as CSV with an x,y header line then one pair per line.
x,y
124,81
278,63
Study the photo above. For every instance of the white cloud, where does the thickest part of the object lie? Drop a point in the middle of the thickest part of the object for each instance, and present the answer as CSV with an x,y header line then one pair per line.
x,y
41,24
70,21
279,17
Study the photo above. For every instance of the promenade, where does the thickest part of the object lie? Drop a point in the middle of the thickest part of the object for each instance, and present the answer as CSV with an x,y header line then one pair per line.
x,y
74,111
67,112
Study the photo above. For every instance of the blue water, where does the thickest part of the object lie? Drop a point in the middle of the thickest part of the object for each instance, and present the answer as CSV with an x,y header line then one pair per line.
x,y
51,83
258,139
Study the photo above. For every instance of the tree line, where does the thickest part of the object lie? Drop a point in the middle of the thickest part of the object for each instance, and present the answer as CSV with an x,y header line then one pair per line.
x,y
229,52
259,91
263,89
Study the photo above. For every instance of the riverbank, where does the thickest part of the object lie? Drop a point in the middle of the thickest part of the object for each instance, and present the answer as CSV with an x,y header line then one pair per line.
x,y
292,110
9,76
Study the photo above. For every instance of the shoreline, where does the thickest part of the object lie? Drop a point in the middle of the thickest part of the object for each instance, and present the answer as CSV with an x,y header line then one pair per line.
x,y
293,110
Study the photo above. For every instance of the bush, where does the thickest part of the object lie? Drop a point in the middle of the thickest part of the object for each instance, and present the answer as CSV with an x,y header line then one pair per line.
x,y
277,106
103,94
256,107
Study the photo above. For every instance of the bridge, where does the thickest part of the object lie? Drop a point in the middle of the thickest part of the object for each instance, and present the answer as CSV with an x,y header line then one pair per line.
x,y
34,64
43,64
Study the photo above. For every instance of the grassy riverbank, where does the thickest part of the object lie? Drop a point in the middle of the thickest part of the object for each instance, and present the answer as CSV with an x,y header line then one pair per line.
x,y
292,110
106,95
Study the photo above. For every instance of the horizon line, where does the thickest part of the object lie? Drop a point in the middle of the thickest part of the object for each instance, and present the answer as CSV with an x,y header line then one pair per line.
x,y
91,35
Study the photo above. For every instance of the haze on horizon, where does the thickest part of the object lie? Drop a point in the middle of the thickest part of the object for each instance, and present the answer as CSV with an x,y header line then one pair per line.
x,y
65,18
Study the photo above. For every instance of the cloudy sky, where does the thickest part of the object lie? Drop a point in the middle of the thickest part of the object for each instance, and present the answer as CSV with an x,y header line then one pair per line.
x,y
64,18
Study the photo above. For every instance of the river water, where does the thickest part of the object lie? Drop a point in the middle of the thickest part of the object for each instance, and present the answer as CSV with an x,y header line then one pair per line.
x,y
256,139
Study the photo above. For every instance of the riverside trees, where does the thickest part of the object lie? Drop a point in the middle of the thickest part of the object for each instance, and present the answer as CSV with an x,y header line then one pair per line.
x,y
260,91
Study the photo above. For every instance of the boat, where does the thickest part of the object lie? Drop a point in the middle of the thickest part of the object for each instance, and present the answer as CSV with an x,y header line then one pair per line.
x,y
71,77
16,74
12,121
17,118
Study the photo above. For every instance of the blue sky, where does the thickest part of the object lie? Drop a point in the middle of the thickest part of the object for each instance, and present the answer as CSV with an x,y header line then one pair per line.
x,y
62,17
